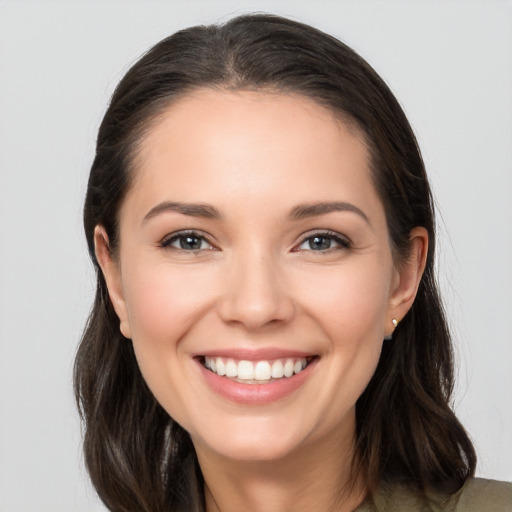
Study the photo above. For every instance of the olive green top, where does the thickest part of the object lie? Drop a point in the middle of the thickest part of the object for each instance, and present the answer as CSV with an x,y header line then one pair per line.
x,y
477,495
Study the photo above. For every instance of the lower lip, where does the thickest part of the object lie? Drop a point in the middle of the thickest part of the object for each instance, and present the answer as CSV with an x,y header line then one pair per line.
x,y
256,394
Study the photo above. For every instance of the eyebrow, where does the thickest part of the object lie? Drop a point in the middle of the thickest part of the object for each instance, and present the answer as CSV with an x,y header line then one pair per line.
x,y
191,209
297,213
315,209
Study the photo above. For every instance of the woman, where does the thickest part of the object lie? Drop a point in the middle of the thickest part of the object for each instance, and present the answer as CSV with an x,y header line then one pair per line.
x,y
267,332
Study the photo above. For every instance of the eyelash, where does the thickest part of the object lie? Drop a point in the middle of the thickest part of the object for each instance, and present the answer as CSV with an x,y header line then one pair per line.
x,y
342,241
167,241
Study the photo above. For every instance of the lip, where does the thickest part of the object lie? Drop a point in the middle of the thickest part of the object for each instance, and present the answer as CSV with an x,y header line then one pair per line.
x,y
255,394
264,354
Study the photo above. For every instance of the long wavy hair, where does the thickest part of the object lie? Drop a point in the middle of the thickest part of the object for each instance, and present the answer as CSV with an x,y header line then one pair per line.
x,y
137,456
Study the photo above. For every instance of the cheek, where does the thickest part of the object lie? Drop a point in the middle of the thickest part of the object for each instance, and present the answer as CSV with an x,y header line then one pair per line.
x,y
163,302
350,302
350,306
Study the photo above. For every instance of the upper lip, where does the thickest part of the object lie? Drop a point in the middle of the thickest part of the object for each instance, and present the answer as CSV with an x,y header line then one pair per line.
x,y
260,354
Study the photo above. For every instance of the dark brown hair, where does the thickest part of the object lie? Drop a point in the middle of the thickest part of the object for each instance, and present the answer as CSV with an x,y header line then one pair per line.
x,y
137,456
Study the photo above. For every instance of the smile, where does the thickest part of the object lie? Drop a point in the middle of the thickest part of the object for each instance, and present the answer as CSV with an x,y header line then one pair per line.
x,y
256,372
256,379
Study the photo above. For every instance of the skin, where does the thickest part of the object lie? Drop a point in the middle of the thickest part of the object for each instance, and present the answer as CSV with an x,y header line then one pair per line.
x,y
255,282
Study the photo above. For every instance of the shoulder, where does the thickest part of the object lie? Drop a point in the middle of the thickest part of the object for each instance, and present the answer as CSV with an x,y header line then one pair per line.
x,y
479,494
476,495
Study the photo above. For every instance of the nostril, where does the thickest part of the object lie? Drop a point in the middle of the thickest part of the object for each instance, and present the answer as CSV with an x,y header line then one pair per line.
x,y
254,294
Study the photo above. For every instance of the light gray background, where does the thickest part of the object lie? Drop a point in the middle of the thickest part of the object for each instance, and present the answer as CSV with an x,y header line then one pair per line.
x,y
449,63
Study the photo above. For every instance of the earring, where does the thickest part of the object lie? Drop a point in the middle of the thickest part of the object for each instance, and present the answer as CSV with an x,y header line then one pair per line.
x,y
394,321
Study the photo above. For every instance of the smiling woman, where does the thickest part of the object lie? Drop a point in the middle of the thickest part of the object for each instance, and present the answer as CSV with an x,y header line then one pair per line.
x,y
260,220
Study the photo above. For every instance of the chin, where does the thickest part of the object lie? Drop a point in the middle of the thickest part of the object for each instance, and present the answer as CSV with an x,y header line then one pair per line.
x,y
256,443
256,451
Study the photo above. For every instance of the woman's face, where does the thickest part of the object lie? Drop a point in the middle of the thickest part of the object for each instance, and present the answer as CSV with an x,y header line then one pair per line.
x,y
253,237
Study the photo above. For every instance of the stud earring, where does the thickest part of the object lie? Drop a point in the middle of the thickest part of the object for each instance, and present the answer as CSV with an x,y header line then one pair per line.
x,y
394,321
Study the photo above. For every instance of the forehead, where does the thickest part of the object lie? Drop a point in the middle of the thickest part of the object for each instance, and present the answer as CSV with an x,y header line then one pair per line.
x,y
268,146
215,108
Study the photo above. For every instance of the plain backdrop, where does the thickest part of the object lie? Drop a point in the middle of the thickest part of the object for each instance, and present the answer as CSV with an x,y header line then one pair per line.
x,y
448,62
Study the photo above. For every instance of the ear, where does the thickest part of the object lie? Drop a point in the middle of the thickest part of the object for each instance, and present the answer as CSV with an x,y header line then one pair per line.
x,y
408,277
112,273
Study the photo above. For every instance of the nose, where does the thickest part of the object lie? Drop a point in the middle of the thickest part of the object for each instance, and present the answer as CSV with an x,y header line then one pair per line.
x,y
255,294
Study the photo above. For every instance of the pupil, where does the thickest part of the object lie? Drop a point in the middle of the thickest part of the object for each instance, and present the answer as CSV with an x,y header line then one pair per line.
x,y
190,242
320,242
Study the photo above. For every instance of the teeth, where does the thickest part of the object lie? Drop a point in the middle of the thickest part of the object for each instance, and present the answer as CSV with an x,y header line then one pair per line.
x,y
245,370
262,370
221,367
231,368
255,371
288,368
277,369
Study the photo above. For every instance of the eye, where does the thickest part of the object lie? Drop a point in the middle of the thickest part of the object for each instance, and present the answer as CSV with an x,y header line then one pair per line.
x,y
187,241
325,241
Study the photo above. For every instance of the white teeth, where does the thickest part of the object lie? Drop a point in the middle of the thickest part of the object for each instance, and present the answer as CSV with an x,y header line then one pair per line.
x,y
221,368
231,368
288,368
255,371
245,370
262,370
277,369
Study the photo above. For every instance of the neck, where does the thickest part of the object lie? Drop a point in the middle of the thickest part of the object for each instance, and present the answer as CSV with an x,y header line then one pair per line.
x,y
315,477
